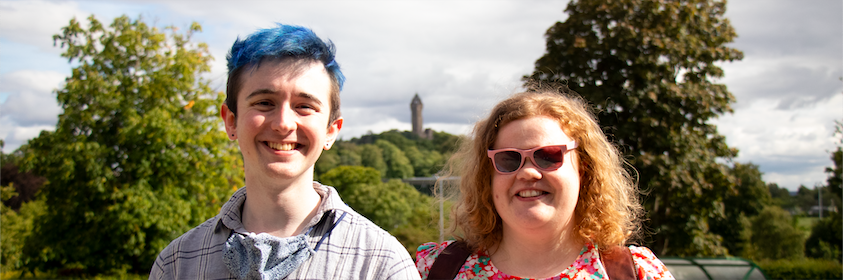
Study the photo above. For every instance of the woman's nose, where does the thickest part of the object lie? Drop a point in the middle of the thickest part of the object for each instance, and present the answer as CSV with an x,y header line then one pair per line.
x,y
528,172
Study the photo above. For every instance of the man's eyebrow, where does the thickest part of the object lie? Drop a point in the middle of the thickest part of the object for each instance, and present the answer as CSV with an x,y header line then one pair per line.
x,y
304,95
310,96
260,92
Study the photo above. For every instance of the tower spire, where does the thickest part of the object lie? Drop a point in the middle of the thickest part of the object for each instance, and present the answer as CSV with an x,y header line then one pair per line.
x,y
418,124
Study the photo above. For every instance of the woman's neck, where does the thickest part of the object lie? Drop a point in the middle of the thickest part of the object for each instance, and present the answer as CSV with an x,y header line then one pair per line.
x,y
536,254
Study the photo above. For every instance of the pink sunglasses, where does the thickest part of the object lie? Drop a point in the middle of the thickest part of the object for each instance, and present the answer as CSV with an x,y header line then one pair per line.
x,y
547,158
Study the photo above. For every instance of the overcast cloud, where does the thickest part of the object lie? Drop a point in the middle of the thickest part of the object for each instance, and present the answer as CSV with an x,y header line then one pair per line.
x,y
461,57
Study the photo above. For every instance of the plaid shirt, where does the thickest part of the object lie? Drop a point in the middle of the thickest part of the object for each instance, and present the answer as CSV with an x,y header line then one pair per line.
x,y
355,249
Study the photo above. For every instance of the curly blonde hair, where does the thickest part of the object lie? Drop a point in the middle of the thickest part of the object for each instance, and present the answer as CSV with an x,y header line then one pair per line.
x,y
608,211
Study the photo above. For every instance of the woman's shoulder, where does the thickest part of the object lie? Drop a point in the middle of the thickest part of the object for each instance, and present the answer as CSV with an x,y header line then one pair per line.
x,y
428,252
647,264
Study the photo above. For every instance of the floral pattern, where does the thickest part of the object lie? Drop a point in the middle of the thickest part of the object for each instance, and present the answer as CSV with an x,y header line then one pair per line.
x,y
586,266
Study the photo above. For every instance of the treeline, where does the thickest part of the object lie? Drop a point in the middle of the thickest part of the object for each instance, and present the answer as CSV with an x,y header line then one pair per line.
x,y
393,153
138,158
764,222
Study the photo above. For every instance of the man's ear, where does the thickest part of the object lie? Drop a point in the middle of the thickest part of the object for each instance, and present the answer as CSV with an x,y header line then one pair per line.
x,y
230,122
333,132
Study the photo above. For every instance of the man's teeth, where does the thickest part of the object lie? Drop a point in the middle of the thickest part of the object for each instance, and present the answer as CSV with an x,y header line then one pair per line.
x,y
529,193
282,146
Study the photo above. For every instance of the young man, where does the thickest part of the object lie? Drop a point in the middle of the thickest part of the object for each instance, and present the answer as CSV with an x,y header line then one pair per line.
x,y
282,106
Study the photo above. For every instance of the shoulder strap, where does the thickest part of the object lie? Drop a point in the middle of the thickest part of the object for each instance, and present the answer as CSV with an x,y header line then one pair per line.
x,y
618,264
449,262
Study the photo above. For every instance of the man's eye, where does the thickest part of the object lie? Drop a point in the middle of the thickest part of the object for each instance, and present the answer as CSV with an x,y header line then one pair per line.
x,y
306,107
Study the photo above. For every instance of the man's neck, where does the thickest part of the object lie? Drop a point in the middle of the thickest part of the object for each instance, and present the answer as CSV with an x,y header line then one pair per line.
x,y
282,211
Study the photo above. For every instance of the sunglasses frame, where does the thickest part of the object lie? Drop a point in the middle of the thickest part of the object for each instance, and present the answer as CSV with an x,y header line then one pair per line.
x,y
530,153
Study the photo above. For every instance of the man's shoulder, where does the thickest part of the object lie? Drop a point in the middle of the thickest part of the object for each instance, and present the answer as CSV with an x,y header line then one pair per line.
x,y
193,249
193,243
365,250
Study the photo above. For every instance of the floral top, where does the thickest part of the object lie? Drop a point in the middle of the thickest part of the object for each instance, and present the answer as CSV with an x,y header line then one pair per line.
x,y
587,266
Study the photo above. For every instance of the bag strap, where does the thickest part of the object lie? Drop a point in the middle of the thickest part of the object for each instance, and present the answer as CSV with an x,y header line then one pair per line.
x,y
618,264
449,262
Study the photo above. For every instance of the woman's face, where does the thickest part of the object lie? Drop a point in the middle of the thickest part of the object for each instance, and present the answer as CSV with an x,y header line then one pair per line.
x,y
532,199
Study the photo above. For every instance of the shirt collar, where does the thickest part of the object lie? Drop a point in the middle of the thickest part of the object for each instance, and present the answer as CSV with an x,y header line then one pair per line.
x,y
230,213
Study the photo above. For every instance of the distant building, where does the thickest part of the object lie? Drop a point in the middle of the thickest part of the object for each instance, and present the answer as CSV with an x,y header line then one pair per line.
x,y
418,124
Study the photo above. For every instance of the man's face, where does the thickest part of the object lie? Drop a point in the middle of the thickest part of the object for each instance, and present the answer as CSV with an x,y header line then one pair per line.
x,y
282,120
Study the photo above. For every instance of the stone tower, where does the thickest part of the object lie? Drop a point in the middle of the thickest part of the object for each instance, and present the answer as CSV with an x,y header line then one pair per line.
x,y
416,107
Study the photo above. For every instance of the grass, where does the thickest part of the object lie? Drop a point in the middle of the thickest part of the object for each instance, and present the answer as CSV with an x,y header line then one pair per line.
x,y
44,275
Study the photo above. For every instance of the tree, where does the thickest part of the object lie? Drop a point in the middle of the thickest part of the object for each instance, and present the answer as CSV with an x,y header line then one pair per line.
x,y
781,197
647,66
835,174
372,156
25,184
747,200
385,204
774,236
394,205
137,157
397,164
826,239
16,226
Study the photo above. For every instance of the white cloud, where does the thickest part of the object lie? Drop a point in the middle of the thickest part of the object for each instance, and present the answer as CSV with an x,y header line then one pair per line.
x,y
464,56
14,136
35,22
30,106
790,146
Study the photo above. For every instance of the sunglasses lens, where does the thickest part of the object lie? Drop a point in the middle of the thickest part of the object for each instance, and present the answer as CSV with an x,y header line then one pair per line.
x,y
549,157
507,161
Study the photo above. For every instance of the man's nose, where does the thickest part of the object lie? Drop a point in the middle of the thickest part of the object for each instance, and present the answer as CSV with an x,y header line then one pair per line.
x,y
285,120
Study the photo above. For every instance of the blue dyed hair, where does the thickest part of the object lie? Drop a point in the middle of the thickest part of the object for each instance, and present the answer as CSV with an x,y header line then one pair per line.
x,y
283,41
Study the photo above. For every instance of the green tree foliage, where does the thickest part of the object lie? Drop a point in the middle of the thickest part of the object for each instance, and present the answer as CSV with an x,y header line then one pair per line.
x,y
781,197
749,197
397,163
395,154
446,143
774,236
372,156
385,204
137,157
422,223
826,239
24,184
394,205
835,174
801,269
16,227
344,177
649,69
807,200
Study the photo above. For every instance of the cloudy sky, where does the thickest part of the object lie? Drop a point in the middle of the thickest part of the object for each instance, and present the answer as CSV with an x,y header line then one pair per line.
x,y
461,57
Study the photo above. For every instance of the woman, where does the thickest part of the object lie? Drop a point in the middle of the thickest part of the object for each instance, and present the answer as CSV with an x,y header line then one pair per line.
x,y
543,194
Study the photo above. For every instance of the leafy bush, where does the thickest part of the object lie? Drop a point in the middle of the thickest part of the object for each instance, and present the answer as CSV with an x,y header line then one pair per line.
x,y
774,236
801,269
825,239
15,228
393,205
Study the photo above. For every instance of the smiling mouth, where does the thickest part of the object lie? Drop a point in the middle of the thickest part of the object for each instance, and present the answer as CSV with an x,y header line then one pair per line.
x,y
282,146
530,193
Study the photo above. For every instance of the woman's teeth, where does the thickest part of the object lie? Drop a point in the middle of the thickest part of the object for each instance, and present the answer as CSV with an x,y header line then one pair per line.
x,y
529,193
281,146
